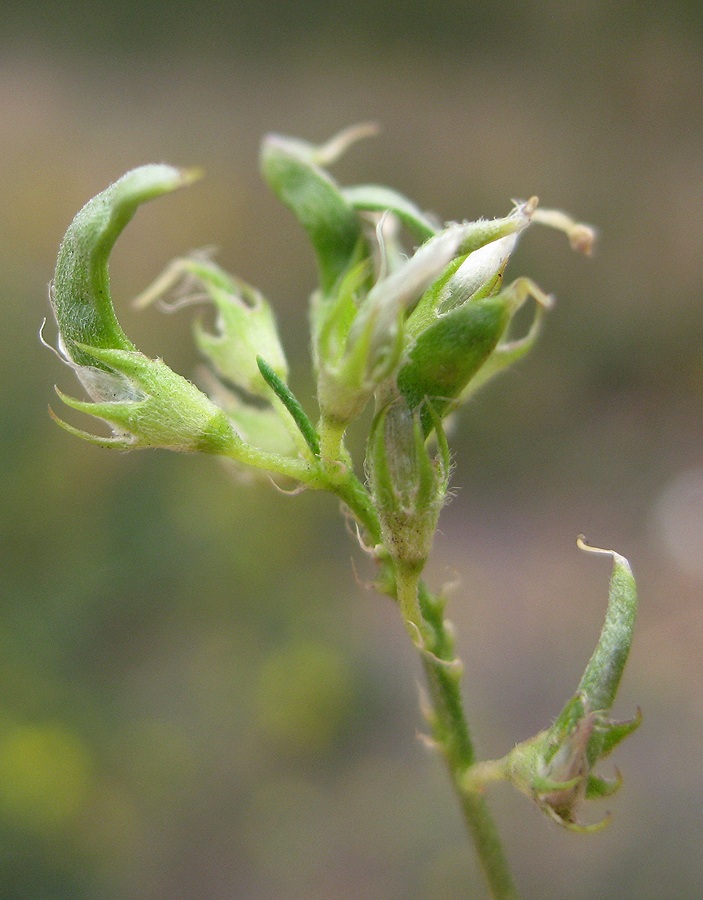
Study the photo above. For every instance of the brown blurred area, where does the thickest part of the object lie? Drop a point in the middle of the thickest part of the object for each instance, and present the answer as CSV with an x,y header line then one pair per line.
x,y
198,699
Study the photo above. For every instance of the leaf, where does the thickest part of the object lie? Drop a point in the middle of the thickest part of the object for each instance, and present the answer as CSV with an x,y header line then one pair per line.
x,y
332,224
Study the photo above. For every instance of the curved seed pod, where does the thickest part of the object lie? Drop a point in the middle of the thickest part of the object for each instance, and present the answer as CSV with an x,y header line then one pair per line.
x,y
143,400
583,733
555,768
601,679
81,287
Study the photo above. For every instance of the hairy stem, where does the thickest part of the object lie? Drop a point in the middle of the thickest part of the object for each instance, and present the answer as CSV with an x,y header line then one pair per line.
x,y
407,582
341,480
451,734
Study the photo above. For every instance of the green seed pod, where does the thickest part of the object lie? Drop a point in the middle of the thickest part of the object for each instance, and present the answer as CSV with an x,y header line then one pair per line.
x,y
450,352
601,679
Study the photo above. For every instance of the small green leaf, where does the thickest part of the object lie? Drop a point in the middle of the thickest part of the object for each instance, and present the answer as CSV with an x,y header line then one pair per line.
x,y
291,403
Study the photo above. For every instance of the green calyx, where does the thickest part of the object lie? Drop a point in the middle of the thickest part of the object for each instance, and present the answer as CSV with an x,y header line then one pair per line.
x,y
462,348
408,483
149,405
450,352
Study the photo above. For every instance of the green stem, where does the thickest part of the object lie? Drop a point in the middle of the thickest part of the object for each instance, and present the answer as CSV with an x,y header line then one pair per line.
x,y
451,733
489,848
353,493
298,469
335,475
331,436
407,580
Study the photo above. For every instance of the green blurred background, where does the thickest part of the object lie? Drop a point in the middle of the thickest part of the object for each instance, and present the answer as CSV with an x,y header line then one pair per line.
x,y
198,699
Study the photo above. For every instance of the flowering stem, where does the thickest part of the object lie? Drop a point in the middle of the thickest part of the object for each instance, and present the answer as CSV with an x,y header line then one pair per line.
x,y
416,334
423,614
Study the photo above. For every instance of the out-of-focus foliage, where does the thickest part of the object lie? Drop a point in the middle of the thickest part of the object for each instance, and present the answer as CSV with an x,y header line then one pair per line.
x,y
160,624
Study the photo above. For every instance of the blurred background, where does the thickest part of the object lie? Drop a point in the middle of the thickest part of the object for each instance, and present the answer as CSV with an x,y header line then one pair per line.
x,y
199,697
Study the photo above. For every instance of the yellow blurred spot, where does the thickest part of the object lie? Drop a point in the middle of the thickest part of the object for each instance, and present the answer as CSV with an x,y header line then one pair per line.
x,y
45,774
303,696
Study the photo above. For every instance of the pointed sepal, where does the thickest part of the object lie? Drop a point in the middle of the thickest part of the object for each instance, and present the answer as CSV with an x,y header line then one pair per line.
x,y
148,405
